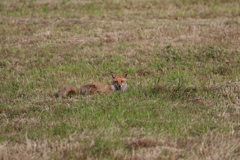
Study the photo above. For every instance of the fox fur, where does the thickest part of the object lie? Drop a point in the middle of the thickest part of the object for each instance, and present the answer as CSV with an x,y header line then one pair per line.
x,y
119,83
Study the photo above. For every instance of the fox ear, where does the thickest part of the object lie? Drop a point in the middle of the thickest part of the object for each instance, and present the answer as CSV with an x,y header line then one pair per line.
x,y
113,75
125,74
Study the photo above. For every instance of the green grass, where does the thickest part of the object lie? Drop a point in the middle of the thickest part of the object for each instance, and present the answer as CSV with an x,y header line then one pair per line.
x,y
182,59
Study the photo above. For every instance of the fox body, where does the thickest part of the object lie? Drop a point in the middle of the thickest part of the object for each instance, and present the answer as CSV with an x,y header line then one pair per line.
x,y
119,83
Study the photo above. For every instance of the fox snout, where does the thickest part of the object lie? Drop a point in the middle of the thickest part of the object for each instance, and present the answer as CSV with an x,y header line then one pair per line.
x,y
118,87
121,87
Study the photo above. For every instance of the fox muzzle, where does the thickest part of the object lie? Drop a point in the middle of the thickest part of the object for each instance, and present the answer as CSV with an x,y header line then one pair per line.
x,y
118,87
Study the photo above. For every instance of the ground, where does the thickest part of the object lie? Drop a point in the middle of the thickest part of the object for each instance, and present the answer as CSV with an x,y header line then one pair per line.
x,y
183,64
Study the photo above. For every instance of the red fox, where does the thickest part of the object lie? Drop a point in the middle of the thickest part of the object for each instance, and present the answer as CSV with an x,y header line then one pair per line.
x,y
119,83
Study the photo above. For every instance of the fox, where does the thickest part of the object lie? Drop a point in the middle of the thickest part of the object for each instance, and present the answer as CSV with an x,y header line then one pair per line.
x,y
119,83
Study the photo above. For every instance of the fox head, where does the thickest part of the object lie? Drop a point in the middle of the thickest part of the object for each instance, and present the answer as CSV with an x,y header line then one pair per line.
x,y
119,81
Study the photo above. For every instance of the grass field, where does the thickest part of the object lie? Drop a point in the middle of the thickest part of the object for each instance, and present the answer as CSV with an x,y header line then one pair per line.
x,y
183,64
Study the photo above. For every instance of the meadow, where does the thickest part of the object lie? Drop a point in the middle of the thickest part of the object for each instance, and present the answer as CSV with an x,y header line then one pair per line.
x,y
183,64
